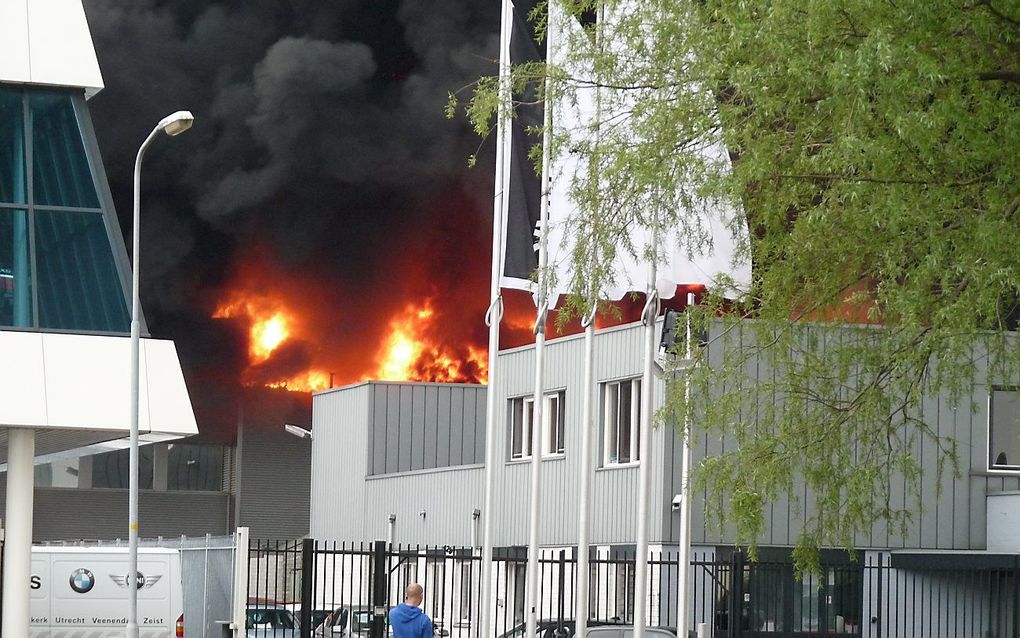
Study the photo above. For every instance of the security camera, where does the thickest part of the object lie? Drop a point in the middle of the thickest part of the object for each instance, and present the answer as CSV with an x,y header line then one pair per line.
x,y
677,502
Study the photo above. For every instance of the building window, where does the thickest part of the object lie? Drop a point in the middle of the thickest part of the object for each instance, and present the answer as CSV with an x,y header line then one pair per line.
x,y
58,269
466,585
435,588
621,421
194,467
1004,429
522,426
110,469
409,574
62,473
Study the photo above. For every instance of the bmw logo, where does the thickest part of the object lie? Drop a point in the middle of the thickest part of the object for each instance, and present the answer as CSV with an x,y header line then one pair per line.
x,y
82,580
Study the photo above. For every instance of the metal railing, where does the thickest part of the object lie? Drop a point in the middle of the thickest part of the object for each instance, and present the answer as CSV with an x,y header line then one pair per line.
x,y
309,588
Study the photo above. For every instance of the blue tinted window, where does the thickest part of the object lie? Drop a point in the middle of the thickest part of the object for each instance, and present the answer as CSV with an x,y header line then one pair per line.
x,y
112,469
194,467
12,148
78,284
57,266
61,174
15,282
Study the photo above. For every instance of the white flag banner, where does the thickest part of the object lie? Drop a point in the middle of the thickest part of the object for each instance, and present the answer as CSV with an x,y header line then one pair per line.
x,y
574,119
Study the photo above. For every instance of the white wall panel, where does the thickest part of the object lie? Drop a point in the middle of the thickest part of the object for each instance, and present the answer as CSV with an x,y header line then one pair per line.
x,y
48,42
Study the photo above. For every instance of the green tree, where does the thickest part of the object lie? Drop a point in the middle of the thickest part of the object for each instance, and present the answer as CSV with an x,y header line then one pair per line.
x,y
875,154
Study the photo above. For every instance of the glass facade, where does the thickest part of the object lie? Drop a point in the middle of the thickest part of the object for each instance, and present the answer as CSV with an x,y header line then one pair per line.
x,y
110,469
194,467
57,474
191,467
57,265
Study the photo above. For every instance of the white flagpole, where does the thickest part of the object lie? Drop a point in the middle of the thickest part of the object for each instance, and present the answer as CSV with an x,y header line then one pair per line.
x,y
651,312
581,612
684,555
531,602
493,317
582,607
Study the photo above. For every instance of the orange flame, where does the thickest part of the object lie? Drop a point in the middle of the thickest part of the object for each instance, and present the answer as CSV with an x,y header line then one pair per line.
x,y
412,349
409,354
270,325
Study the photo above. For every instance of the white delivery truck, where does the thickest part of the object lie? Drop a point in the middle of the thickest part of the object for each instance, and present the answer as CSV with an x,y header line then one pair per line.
x,y
81,592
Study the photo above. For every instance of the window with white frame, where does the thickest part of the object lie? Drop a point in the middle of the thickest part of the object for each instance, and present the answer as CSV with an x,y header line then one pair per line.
x,y
522,421
621,419
466,584
1004,429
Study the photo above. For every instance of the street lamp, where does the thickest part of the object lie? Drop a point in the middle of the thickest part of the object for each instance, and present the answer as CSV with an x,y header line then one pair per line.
x,y
172,125
298,431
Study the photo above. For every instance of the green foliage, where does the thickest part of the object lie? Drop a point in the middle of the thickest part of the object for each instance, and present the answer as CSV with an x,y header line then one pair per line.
x,y
874,154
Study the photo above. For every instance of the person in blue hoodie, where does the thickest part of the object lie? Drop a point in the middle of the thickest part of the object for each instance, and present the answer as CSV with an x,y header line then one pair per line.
x,y
407,618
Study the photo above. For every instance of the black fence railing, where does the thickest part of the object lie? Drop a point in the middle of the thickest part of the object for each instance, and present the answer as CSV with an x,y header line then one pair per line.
x,y
309,588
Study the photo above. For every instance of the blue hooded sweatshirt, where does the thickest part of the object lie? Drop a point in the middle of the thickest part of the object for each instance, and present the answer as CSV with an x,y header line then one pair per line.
x,y
410,622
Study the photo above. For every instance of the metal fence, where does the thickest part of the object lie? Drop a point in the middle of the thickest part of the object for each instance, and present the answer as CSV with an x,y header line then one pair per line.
x,y
309,588
208,577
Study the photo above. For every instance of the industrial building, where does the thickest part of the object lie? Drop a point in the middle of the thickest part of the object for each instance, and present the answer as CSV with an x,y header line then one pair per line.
x,y
403,462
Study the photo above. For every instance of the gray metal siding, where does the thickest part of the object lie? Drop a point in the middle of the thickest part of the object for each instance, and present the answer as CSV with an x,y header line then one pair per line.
x,y
351,504
447,497
416,426
340,420
99,514
614,489
275,479
952,516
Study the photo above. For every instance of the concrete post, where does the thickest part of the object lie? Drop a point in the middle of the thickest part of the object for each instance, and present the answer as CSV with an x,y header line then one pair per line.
x,y
18,535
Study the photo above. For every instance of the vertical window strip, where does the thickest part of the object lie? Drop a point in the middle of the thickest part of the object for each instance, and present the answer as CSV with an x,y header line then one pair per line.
x,y
529,432
635,400
29,176
517,428
621,422
1004,429
561,424
612,424
626,422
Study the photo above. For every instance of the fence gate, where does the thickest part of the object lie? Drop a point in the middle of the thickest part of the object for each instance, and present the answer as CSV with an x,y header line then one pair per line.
x,y
308,588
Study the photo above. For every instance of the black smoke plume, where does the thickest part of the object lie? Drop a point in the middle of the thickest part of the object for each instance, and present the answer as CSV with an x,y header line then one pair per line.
x,y
320,149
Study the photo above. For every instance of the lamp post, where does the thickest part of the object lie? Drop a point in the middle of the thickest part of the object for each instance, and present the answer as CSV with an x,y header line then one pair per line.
x,y
172,125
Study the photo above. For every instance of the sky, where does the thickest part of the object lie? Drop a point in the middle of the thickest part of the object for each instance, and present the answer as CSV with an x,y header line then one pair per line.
x,y
321,176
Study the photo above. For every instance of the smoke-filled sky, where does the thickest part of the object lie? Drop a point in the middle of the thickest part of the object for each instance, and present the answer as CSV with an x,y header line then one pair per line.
x,y
321,173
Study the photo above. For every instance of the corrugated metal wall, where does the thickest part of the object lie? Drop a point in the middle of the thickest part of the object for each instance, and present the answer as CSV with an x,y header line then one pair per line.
x,y
70,514
953,518
372,430
274,483
614,489
339,451
421,426
381,418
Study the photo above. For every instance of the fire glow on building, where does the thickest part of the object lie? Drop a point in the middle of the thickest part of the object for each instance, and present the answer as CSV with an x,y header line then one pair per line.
x,y
410,350
417,342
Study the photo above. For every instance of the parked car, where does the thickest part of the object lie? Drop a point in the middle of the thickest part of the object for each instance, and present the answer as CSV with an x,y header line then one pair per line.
x,y
270,621
556,628
354,622
347,621
330,622
627,631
